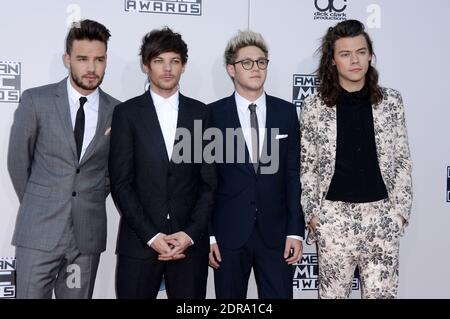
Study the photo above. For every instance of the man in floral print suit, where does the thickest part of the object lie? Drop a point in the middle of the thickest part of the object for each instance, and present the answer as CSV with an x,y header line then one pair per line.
x,y
355,169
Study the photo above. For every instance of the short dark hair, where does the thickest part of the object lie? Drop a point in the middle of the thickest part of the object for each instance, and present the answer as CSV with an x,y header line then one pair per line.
x,y
329,88
87,30
160,41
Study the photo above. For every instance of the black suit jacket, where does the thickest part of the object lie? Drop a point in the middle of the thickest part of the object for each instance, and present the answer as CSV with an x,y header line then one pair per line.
x,y
146,186
246,200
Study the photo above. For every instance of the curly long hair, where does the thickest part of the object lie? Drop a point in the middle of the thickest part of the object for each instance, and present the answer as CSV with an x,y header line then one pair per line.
x,y
329,88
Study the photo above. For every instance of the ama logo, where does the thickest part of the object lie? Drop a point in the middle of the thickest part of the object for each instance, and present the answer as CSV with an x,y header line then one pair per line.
x,y
303,86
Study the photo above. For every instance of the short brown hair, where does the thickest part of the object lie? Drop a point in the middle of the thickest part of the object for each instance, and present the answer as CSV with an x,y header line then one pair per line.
x,y
160,41
87,30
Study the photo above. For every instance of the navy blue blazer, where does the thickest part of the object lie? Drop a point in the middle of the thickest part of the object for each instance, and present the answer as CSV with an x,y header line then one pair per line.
x,y
245,199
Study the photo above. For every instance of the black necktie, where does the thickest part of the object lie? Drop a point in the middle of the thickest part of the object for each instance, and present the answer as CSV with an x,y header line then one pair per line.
x,y
255,136
79,126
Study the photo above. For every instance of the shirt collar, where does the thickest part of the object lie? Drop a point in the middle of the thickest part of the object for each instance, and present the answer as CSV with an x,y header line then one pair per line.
x,y
356,96
159,101
74,95
242,103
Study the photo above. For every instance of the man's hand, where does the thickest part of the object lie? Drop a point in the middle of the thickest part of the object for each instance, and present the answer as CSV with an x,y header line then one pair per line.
x,y
293,250
403,220
160,245
214,256
313,223
178,242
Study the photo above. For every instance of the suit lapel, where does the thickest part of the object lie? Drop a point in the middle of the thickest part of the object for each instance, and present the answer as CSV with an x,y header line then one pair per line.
x,y
234,122
381,137
103,114
63,109
329,123
184,120
272,122
149,120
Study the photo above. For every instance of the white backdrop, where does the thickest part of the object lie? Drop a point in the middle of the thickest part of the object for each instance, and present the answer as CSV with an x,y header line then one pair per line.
x,y
411,43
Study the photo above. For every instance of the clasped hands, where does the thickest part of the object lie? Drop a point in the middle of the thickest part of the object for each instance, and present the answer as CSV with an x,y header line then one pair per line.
x,y
171,247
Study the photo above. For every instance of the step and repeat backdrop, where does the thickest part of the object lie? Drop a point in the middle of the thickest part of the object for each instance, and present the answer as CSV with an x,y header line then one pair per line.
x,y
411,43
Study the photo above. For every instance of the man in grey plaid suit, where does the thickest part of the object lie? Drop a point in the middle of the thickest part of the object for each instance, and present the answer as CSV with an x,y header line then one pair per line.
x,y
57,160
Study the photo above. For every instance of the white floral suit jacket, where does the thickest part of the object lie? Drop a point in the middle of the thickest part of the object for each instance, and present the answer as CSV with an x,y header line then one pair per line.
x,y
318,152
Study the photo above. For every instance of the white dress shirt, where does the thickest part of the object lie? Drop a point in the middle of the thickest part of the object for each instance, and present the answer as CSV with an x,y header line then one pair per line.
x,y
244,119
90,113
167,111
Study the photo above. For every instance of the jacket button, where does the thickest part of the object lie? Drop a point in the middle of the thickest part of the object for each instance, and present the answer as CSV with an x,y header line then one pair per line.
x,y
74,194
78,171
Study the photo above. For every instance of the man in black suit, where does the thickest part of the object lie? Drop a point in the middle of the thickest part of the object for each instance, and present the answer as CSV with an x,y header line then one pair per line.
x,y
257,221
164,196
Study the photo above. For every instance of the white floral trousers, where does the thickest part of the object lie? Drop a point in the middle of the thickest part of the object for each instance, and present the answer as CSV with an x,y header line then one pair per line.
x,y
366,235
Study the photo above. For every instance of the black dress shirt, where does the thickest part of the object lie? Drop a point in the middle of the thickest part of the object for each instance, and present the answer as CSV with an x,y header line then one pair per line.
x,y
357,177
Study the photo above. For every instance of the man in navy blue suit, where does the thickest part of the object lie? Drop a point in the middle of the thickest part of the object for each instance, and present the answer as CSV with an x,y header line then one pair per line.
x,y
257,220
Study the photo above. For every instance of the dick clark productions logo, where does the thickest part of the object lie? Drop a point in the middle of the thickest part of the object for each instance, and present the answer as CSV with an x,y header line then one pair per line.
x,y
330,10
